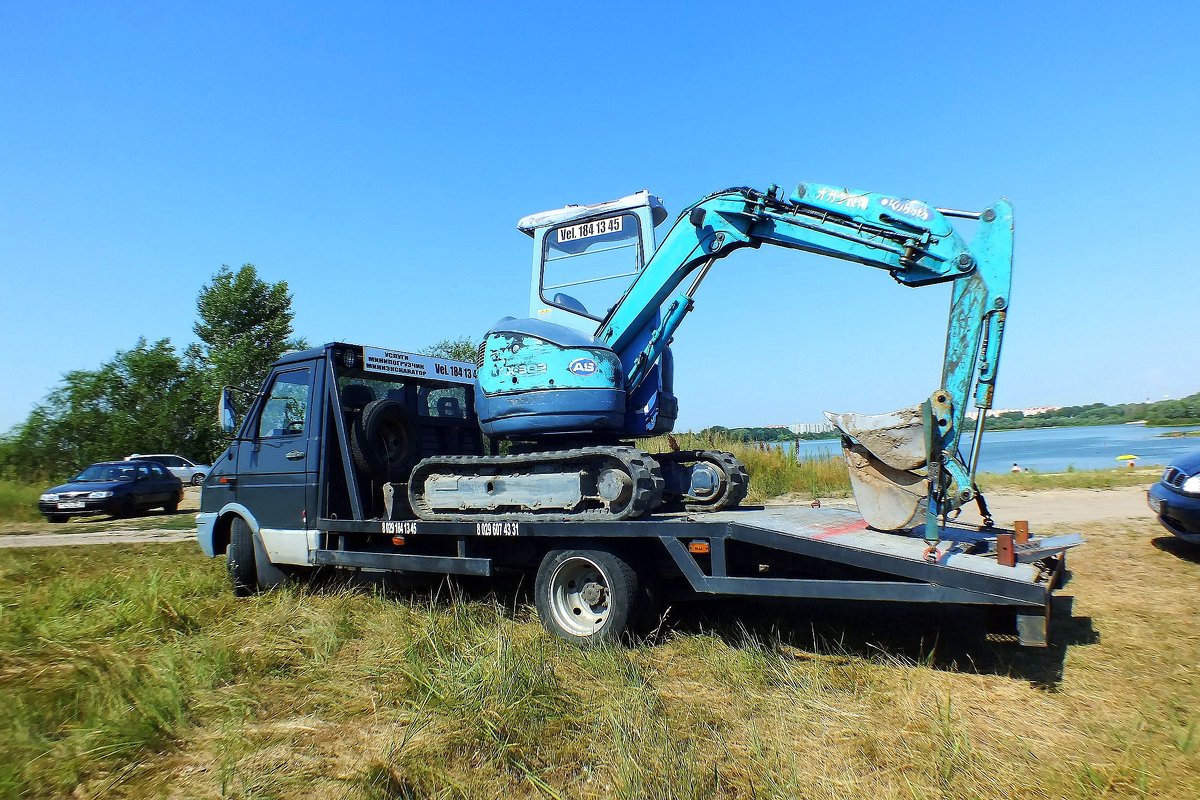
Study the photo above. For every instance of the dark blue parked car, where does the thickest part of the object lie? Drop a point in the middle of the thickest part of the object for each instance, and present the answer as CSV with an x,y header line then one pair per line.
x,y
1176,498
118,488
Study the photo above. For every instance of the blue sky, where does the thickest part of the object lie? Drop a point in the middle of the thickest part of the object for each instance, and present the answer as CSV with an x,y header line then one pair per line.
x,y
378,156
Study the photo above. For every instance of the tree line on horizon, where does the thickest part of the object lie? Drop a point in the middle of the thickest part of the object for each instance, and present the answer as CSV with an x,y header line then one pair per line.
x,y
1183,411
154,398
761,434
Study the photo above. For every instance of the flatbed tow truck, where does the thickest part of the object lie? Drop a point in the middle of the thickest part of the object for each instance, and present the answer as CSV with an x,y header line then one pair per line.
x,y
310,481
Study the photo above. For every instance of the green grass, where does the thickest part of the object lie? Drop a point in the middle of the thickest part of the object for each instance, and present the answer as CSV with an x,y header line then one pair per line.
x,y
133,672
18,501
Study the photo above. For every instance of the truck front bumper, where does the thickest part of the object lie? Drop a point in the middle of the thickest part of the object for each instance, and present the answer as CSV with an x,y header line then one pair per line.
x,y
206,523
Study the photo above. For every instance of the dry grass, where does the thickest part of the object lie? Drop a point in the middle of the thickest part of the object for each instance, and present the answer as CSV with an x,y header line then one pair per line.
x,y
1071,479
773,472
132,672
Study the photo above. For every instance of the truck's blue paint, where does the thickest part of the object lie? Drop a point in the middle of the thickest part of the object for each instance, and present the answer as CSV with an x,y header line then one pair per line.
x,y
270,477
539,374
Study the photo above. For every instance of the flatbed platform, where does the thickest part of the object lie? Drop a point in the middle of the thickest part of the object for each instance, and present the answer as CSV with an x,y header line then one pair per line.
x,y
796,544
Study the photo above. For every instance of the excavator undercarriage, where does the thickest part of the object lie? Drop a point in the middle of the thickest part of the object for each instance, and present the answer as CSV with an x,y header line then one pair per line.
x,y
587,484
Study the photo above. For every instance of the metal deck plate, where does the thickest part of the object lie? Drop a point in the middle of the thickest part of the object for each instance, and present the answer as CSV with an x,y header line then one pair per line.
x,y
845,528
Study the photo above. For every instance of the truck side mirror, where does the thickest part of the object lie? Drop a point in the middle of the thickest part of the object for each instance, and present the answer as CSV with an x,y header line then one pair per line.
x,y
227,413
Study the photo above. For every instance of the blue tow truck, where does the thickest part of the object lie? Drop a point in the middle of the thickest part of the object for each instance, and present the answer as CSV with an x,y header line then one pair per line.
x,y
313,477
532,459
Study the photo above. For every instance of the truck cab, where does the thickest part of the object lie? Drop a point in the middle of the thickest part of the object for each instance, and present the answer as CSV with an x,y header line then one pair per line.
x,y
331,434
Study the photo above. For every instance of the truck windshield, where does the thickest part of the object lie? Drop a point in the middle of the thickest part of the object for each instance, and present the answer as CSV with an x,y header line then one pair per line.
x,y
587,266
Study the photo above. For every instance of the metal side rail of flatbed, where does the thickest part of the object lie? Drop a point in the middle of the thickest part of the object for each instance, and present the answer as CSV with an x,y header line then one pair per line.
x,y
785,552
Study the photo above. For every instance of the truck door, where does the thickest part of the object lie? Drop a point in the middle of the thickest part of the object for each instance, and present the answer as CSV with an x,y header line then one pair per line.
x,y
279,462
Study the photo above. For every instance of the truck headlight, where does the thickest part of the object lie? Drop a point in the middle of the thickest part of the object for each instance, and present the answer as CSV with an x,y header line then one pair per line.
x,y
99,495
1191,486
49,497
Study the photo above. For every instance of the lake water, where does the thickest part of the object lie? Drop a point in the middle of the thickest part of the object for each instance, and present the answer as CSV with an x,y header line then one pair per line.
x,y
1055,449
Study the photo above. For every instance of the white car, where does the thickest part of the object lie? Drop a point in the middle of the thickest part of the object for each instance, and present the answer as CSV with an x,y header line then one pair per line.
x,y
186,470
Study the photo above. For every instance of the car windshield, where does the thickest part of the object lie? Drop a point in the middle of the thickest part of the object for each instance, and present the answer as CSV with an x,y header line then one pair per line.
x,y
107,472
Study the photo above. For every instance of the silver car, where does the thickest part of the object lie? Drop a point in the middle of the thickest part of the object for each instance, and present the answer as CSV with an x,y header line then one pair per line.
x,y
182,468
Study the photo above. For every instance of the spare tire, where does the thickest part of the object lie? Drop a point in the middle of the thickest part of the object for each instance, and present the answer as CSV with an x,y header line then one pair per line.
x,y
383,441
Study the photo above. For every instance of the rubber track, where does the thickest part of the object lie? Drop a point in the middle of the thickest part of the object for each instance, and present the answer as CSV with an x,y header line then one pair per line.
x,y
640,466
737,479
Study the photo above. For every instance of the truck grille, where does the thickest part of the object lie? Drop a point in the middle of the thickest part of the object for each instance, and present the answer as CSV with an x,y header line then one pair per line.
x,y
1174,477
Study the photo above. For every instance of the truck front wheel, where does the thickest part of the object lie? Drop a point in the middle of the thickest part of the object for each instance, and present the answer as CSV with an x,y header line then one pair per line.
x,y
586,596
243,573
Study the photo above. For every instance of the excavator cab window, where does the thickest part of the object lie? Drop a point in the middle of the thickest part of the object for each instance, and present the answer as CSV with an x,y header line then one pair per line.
x,y
588,265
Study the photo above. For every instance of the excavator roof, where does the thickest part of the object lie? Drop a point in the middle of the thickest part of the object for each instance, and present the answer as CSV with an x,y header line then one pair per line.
x,y
557,216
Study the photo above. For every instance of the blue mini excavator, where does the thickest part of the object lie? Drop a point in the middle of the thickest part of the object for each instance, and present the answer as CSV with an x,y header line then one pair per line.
x,y
573,387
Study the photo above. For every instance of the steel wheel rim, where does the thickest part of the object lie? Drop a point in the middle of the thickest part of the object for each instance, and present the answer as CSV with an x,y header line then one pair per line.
x,y
579,596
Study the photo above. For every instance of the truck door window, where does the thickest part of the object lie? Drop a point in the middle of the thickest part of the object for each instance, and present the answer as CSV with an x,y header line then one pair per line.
x,y
286,406
587,266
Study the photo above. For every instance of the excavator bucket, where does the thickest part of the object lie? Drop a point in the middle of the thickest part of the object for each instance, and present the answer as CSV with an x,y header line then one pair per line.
x,y
886,457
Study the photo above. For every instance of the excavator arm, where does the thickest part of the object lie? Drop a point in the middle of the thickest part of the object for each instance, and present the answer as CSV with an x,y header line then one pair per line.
x,y
898,460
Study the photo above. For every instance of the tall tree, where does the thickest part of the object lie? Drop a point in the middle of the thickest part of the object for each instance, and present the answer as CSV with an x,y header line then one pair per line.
x,y
150,400
244,324
142,400
461,349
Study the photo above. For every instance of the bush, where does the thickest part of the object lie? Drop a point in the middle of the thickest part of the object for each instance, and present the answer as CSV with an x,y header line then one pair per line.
x,y
18,501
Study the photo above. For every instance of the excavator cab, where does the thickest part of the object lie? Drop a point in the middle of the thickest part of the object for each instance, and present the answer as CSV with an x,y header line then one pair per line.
x,y
586,256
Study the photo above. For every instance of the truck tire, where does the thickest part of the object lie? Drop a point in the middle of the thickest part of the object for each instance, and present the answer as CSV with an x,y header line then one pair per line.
x,y
383,441
243,573
587,596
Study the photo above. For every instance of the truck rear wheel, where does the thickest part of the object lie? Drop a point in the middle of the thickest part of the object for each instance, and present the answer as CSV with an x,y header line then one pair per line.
x,y
243,573
586,596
